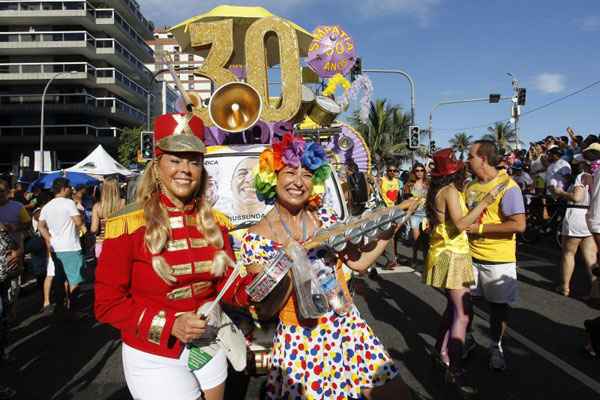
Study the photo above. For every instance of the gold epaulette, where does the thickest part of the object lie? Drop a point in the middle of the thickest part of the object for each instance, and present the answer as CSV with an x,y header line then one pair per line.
x,y
127,220
222,219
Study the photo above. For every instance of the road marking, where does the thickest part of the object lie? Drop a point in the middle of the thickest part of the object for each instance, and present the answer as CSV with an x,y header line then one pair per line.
x,y
540,351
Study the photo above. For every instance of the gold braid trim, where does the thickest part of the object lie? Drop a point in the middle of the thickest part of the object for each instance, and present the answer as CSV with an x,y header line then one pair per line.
x,y
122,223
222,219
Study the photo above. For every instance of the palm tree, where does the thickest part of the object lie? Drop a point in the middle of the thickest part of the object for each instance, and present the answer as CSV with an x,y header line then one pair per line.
x,y
503,135
460,143
386,131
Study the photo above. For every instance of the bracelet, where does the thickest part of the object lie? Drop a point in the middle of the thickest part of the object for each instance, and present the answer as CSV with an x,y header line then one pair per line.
x,y
480,229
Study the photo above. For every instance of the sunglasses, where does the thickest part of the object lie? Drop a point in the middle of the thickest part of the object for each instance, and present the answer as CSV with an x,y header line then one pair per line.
x,y
419,170
392,170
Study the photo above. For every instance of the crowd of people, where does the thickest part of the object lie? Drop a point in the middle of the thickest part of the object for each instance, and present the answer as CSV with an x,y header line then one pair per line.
x,y
165,258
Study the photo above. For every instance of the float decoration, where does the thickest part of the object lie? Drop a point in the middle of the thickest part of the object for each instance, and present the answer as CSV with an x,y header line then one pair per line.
x,y
362,82
331,52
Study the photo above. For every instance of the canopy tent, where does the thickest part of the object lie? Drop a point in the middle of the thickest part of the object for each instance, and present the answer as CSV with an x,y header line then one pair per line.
x,y
99,162
46,180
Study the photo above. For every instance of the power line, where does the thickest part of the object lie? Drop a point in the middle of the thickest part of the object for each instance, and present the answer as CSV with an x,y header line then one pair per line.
x,y
525,113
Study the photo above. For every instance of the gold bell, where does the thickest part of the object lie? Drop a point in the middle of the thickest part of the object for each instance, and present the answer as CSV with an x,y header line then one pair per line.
x,y
235,107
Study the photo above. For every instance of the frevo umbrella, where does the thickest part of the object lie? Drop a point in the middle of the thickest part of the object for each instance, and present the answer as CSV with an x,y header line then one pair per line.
x,y
242,17
75,178
332,51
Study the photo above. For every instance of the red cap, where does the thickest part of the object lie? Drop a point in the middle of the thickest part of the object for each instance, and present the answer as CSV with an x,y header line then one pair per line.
x,y
445,163
177,133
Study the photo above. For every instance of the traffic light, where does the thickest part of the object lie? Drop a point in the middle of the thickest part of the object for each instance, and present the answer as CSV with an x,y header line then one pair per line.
x,y
521,96
147,145
432,147
356,69
494,98
413,137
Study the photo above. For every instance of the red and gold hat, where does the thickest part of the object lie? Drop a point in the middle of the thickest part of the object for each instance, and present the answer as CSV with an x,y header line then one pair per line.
x,y
445,163
178,133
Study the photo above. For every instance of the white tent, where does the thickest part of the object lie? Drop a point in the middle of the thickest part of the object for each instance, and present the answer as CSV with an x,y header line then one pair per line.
x,y
99,162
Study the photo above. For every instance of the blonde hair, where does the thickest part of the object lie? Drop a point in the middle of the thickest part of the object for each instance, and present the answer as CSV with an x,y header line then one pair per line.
x,y
110,197
158,229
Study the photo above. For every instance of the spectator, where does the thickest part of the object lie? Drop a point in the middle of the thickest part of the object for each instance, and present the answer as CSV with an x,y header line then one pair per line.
x,y
9,262
522,178
558,171
110,203
390,192
59,224
358,188
492,241
575,231
417,186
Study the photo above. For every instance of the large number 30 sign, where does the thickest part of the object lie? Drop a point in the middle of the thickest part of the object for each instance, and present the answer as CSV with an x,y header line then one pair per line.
x,y
219,36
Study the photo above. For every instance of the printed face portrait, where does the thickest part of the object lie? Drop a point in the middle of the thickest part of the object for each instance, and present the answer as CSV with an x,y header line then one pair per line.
x,y
212,190
243,192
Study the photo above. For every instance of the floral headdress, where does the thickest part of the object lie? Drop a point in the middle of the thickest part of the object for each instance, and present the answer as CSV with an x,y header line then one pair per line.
x,y
294,152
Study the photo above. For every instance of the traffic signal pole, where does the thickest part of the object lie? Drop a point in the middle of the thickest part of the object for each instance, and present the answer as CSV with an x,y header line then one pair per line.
x,y
443,103
412,91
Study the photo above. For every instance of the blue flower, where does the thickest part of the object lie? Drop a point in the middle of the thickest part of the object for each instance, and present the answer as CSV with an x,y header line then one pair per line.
x,y
314,156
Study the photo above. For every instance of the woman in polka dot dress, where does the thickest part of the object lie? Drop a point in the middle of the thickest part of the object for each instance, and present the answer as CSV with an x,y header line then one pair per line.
x,y
335,356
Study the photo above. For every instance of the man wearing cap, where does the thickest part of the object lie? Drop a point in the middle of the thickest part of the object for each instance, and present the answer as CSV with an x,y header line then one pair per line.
x,y
164,259
492,241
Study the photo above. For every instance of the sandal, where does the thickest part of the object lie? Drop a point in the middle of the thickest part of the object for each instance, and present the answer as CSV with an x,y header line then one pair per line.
x,y
390,265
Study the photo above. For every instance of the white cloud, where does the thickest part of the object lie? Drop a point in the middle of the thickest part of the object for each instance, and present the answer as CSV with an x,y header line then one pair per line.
x,y
550,82
590,23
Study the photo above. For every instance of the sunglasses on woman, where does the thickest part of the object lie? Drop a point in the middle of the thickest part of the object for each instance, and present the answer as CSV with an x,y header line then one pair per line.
x,y
419,170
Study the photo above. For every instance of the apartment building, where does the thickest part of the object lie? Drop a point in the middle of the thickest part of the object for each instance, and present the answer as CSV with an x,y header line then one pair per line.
x,y
183,64
94,52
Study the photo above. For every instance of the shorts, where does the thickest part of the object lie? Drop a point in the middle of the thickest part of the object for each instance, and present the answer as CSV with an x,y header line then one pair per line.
x,y
50,269
416,220
497,283
69,263
152,377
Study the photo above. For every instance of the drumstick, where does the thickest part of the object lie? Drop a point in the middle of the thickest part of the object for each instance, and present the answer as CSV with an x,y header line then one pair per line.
x,y
186,98
230,280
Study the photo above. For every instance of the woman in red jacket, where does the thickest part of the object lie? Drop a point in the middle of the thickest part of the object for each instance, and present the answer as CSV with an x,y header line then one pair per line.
x,y
163,258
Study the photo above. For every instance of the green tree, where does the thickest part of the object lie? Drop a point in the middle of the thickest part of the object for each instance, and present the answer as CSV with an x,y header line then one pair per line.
x,y
503,135
129,144
460,143
386,132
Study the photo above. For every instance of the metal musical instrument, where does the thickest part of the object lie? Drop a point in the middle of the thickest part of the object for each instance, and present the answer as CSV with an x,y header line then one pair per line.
x,y
273,285
324,110
235,107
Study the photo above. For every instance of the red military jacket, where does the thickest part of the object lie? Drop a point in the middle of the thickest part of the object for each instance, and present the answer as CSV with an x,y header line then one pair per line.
x,y
130,296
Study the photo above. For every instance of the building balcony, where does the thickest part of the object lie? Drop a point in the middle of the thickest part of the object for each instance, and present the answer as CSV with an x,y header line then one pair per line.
x,y
131,10
84,74
74,42
75,12
73,103
55,133
114,24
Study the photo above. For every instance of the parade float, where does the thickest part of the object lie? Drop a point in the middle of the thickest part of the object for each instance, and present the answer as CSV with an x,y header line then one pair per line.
x,y
242,47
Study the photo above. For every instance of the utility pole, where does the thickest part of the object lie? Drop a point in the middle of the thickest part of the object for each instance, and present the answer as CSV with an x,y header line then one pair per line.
x,y
518,100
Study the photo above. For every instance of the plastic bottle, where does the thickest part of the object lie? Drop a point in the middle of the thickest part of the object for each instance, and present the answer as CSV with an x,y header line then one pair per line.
x,y
333,291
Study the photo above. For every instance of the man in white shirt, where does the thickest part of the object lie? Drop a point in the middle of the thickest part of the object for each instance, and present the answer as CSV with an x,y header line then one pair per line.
x,y
59,225
558,172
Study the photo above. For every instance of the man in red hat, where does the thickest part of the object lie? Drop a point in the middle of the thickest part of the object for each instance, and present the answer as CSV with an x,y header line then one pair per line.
x,y
493,241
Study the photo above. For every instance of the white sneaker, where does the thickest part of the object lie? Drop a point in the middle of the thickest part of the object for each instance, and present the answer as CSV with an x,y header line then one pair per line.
x,y
497,361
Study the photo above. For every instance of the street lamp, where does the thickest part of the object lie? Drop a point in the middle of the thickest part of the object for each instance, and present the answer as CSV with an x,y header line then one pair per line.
x,y
42,115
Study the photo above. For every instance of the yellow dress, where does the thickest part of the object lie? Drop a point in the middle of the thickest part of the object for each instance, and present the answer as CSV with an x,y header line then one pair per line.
x,y
449,264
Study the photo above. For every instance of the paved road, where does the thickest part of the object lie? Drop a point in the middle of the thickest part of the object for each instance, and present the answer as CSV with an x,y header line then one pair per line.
x,y
81,360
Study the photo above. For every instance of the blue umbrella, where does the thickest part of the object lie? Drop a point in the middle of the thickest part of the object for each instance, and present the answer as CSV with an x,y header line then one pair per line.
x,y
75,178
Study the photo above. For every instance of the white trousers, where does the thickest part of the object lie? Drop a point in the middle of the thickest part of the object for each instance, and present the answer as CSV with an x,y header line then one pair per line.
x,y
152,377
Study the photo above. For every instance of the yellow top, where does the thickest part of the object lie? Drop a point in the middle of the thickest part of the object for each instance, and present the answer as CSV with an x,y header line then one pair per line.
x,y
446,237
390,190
495,247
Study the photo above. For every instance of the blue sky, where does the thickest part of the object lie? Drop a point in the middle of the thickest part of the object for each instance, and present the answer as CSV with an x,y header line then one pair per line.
x,y
461,49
